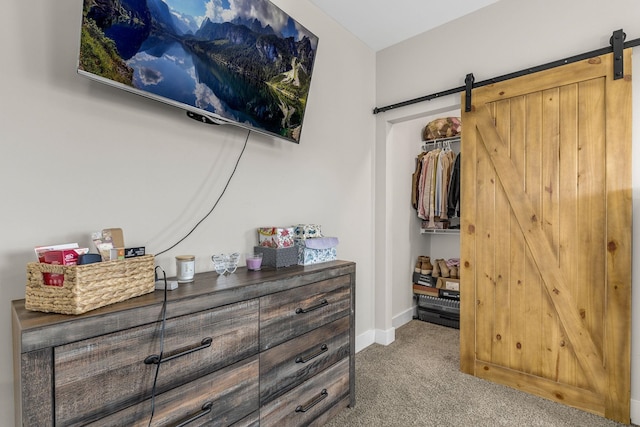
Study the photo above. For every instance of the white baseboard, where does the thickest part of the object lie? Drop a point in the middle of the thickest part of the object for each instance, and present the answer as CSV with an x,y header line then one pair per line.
x,y
635,411
403,318
376,336
385,337
379,336
365,340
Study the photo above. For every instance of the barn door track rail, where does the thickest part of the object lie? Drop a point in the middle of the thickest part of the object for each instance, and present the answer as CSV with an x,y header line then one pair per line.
x,y
617,45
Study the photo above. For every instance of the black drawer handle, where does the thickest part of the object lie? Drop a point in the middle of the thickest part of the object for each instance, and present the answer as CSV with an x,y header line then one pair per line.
x,y
154,359
313,402
315,307
206,409
305,359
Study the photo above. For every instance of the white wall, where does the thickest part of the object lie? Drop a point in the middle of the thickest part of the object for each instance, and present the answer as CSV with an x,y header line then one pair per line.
x,y
507,36
77,156
401,153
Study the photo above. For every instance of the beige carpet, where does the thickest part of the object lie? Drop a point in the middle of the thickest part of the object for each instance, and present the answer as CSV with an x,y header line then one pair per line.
x,y
416,381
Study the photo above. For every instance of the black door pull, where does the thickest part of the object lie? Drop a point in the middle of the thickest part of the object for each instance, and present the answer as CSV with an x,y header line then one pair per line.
x,y
305,359
313,402
154,359
321,304
206,409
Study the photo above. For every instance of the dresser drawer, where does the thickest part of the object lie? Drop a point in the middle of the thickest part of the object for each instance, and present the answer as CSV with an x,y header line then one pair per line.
x,y
218,399
103,375
303,404
291,363
251,420
285,315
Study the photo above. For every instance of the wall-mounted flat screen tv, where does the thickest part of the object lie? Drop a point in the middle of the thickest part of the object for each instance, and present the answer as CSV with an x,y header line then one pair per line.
x,y
243,62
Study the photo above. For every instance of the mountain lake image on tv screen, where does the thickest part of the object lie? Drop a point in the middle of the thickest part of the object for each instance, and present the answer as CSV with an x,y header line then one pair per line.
x,y
245,61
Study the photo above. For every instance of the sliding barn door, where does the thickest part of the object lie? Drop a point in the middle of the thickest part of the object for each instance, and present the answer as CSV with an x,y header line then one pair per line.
x,y
546,235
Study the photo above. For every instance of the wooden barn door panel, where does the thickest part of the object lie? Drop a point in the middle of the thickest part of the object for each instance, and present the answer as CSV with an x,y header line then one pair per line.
x,y
546,242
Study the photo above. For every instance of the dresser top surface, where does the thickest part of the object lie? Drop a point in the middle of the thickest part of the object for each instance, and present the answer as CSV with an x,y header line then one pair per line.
x,y
208,290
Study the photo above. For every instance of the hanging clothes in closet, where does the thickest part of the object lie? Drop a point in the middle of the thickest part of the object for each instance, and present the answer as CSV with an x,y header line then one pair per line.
x,y
436,185
454,190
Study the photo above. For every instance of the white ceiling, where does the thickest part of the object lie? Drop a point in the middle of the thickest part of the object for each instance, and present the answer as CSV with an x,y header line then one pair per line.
x,y
382,23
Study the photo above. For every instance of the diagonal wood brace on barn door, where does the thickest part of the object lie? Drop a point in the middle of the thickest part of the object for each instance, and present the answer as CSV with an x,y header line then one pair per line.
x,y
556,285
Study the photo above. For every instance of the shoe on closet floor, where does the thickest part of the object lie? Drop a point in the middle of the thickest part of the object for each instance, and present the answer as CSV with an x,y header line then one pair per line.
x,y
418,266
436,269
444,270
453,272
425,266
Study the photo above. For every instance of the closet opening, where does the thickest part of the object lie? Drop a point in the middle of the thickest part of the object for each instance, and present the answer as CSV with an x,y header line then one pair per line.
x,y
415,234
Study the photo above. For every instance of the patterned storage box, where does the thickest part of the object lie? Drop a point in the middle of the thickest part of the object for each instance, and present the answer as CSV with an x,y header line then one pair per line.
x,y
314,251
308,256
307,231
278,257
276,237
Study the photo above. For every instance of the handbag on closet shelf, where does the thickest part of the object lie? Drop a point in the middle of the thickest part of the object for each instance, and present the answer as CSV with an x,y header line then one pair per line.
x,y
445,127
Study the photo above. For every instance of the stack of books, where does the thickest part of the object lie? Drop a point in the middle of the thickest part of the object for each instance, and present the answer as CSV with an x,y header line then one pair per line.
x,y
423,284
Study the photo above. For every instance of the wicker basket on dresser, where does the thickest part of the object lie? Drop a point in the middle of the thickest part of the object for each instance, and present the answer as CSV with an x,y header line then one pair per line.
x,y
268,348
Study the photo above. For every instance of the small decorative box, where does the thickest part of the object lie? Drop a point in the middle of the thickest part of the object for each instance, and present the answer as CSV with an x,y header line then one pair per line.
x,y
317,250
278,257
276,237
307,231
308,256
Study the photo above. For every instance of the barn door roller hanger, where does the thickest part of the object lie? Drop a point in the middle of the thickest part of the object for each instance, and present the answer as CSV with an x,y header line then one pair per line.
x,y
617,46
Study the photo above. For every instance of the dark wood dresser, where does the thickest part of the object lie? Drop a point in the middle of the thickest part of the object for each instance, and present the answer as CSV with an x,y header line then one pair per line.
x,y
254,348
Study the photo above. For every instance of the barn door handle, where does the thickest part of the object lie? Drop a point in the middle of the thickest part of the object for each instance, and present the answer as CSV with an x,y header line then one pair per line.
x,y
314,307
154,359
206,409
313,402
305,359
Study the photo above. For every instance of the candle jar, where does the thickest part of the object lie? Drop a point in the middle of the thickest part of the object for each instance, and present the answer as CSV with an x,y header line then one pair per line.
x,y
254,261
185,268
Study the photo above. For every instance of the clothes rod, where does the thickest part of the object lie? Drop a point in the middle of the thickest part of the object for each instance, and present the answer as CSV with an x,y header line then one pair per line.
x,y
531,70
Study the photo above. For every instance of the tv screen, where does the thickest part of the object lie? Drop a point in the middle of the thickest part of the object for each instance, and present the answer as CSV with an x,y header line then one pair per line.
x,y
243,62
